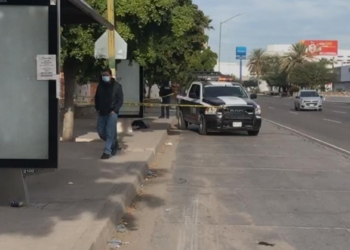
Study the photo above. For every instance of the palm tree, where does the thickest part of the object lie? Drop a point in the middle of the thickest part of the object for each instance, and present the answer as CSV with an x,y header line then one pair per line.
x,y
298,55
257,62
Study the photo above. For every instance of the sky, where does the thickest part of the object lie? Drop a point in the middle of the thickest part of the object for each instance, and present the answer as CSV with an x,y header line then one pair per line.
x,y
265,22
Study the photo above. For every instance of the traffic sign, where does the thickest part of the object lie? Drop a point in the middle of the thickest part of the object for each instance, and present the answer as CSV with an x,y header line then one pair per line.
x,y
101,47
241,57
241,51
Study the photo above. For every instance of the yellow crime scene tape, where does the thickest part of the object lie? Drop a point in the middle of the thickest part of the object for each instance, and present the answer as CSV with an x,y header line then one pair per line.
x,y
159,97
147,104
150,104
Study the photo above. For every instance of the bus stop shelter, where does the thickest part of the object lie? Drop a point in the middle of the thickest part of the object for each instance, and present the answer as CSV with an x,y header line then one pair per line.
x,y
30,32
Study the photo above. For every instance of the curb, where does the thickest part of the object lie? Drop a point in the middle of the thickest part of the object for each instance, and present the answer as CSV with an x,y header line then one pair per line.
x,y
96,236
313,139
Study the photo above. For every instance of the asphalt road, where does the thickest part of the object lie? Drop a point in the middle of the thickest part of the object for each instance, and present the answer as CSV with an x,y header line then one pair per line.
x,y
332,125
235,192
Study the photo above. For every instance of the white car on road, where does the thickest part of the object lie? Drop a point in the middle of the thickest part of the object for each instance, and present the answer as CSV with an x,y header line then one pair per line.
x,y
308,100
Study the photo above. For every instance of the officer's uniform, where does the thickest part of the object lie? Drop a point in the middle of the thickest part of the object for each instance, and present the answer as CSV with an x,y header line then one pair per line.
x,y
165,93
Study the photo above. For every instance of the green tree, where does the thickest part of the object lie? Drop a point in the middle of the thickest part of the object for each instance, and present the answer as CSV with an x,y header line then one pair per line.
x,y
273,74
257,63
250,84
198,61
182,50
140,23
311,75
163,36
297,55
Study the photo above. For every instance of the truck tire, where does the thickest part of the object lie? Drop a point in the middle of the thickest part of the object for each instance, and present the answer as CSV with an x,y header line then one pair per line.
x,y
182,124
202,126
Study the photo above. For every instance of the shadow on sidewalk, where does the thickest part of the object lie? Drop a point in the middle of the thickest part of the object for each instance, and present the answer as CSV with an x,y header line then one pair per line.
x,y
84,189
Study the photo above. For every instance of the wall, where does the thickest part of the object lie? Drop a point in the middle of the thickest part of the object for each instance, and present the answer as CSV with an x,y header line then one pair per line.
x,y
342,86
345,74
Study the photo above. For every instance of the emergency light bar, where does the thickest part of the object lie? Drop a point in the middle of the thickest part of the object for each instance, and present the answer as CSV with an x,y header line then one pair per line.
x,y
211,76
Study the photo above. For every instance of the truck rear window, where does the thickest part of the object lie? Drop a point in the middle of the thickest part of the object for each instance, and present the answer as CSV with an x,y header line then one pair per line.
x,y
215,91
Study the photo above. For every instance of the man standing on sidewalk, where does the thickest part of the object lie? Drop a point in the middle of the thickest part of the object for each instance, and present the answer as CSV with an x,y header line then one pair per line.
x,y
165,93
109,99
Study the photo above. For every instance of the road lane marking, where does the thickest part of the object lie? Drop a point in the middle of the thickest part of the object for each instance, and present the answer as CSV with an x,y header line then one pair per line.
x,y
271,108
340,112
294,113
328,120
310,137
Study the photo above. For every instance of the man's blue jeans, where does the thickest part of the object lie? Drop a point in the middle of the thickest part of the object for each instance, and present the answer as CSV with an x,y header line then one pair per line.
x,y
107,130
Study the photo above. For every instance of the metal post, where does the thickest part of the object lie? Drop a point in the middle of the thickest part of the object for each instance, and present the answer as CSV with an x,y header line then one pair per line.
x,y
219,48
219,57
240,69
111,37
13,187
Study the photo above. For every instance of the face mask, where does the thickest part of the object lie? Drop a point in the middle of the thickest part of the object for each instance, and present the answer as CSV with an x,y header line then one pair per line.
x,y
106,78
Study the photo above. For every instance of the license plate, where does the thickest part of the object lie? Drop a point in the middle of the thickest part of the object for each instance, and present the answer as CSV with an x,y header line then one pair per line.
x,y
236,124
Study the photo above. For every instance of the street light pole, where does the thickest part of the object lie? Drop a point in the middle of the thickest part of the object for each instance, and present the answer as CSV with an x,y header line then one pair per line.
x,y
220,46
221,23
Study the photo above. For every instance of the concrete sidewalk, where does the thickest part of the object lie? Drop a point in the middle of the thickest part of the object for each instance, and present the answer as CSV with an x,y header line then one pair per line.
x,y
78,206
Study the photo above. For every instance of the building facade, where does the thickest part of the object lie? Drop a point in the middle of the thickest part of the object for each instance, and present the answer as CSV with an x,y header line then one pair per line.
x,y
84,94
342,78
230,68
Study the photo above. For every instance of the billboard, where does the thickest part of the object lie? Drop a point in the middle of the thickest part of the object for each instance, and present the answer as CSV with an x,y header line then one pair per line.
x,y
321,47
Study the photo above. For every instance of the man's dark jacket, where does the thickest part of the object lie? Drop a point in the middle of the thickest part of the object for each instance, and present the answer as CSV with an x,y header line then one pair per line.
x,y
164,92
109,97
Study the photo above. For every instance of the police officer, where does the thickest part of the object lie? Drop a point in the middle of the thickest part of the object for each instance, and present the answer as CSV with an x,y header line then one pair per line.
x,y
165,92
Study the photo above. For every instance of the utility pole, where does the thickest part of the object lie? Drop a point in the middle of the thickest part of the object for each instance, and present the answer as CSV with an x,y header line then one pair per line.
x,y
221,23
111,37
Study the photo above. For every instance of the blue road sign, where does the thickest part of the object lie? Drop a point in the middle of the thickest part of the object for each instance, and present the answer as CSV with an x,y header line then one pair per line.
x,y
241,51
241,57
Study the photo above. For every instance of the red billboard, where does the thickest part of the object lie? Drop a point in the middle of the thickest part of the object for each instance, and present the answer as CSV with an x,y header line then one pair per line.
x,y
322,47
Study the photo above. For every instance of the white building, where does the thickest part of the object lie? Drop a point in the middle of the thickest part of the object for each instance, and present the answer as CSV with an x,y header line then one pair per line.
x,y
234,69
343,78
343,57
230,68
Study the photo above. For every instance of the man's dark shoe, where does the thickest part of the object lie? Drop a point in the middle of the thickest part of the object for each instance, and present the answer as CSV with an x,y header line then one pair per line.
x,y
105,156
161,117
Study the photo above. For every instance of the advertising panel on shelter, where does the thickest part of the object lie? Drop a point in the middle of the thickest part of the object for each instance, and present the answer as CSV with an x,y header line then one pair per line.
x,y
321,47
28,100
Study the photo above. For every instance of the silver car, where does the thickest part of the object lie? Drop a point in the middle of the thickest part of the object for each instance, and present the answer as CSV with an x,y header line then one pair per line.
x,y
308,100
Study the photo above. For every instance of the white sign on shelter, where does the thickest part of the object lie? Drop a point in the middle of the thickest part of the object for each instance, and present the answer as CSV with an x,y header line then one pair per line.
x,y
101,47
46,67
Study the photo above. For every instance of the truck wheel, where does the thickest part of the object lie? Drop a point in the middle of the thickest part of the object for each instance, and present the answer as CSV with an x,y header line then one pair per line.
x,y
253,133
182,124
202,126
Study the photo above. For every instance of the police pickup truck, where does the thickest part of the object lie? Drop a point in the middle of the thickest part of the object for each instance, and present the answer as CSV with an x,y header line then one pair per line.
x,y
217,104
